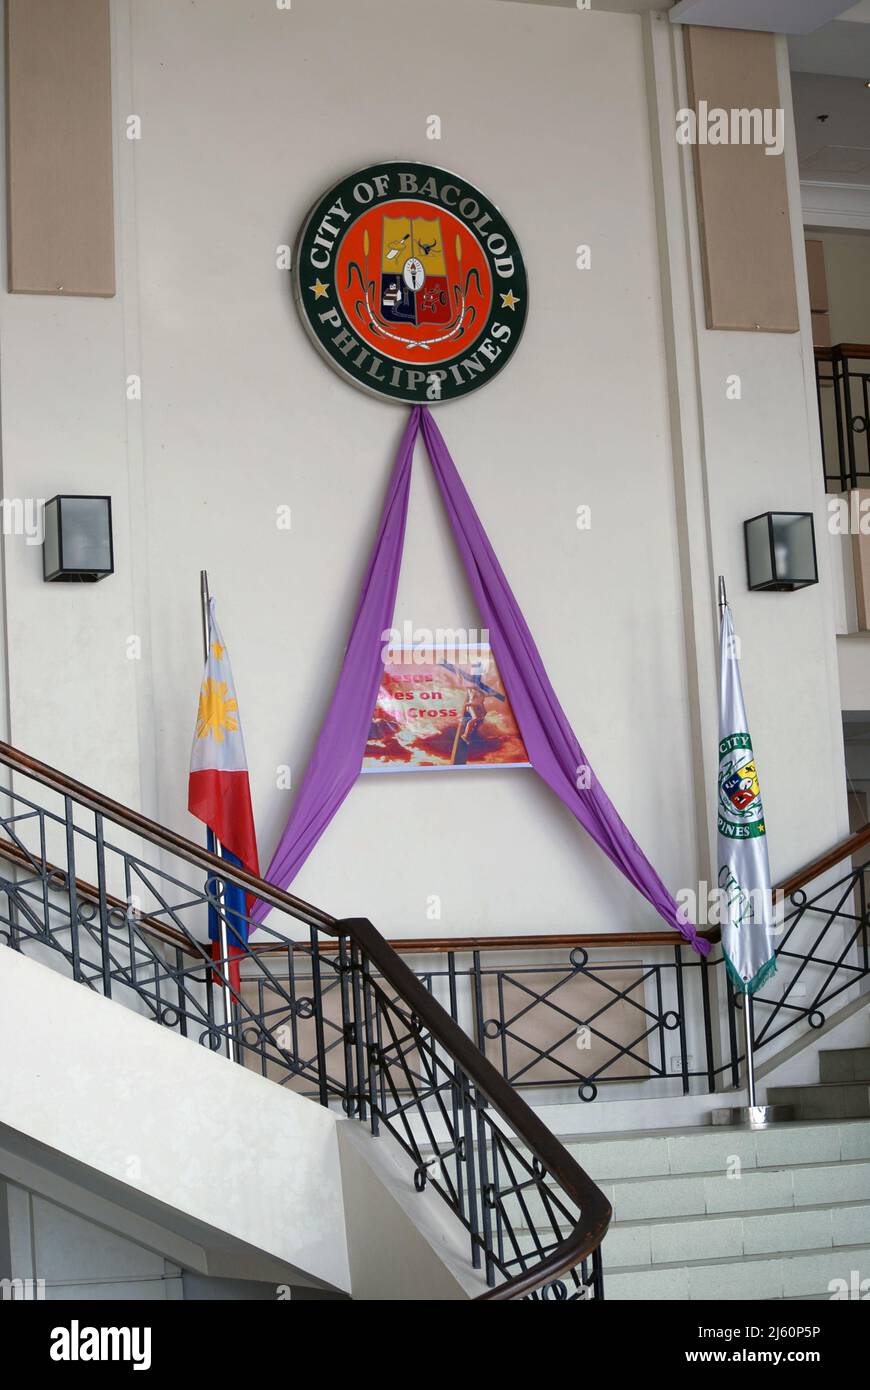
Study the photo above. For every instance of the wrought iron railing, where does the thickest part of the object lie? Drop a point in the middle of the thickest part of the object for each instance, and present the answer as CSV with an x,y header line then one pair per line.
x,y
433,1054
337,1012
640,1013
843,392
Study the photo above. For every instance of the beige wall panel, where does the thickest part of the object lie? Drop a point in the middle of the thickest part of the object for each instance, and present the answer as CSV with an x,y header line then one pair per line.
x,y
59,189
746,244
619,1026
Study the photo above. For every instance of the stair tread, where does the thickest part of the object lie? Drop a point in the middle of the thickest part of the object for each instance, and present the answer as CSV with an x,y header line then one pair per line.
x,y
823,1086
603,1180
740,1214
746,1171
848,1251
692,1132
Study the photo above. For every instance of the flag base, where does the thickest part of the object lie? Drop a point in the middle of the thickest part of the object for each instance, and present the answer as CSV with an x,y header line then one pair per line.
x,y
752,1116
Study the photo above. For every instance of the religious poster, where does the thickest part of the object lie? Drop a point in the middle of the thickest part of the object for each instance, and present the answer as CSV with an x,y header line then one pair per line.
x,y
442,709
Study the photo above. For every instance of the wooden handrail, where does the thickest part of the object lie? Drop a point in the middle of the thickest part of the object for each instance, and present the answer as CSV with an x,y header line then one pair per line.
x,y
404,946
595,1210
844,850
437,945
553,941
838,351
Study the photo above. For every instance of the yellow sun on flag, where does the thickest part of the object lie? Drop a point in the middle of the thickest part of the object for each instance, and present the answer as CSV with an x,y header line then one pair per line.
x,y
217,650
216,708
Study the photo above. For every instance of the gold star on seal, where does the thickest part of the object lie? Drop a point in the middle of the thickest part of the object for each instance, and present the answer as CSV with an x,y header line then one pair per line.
x,y
319,289
509,300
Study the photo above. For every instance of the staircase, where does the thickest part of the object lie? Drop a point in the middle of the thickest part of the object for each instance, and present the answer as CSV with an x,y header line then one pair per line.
x,y
119,904
729,1213
843,1090
329,1010
735,1214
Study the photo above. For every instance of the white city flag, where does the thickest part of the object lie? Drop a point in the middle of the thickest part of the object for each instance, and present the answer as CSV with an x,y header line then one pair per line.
x,y
744,870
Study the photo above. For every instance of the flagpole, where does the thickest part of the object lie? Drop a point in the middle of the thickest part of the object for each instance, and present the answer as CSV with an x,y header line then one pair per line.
x,y
755,1115
747,1001
205,599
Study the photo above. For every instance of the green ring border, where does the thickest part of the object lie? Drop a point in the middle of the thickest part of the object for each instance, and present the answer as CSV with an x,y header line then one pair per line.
x,y
321,206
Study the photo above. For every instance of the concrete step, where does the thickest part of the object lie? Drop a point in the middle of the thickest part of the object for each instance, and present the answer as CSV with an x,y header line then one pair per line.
x,y
845,1064
684,1239
734,1191
716,1170
710,1149
720,1149
749,1189
724,1213
808,1274
827,1100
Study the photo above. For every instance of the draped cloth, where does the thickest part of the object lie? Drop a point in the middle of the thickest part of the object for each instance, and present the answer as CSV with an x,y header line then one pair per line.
x,y
553,749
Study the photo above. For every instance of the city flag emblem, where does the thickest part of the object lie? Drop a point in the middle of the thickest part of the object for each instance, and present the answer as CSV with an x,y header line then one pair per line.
x,y
411,282
741,787
741,813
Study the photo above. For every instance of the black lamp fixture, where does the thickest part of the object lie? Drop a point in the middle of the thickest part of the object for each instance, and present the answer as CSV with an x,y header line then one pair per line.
x,y
78,540
781,551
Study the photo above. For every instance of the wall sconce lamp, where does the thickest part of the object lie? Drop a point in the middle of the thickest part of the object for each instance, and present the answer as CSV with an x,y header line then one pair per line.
x,y
78,540
781,551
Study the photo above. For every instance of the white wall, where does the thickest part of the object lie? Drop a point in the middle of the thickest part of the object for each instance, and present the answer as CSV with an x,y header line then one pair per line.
x,y
248,113
71,1257
148,1111
737,457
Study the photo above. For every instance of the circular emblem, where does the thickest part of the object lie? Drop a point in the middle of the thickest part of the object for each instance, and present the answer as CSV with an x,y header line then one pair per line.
x,y
411,282
741,814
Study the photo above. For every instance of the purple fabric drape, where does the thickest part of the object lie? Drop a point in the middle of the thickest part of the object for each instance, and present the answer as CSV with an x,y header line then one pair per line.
x,y
553,749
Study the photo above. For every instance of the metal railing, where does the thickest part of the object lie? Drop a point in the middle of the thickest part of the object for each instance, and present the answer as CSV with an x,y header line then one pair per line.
x,y
433,1054
843,393
337,1012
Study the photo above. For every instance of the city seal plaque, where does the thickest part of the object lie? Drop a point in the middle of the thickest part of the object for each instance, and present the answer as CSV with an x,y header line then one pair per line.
x,y
411,282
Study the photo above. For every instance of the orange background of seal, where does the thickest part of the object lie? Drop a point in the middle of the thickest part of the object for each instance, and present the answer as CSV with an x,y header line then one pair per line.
x,y
473,257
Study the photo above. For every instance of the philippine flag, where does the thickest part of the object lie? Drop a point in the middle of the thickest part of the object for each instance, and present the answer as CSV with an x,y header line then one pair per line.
x,y
219,792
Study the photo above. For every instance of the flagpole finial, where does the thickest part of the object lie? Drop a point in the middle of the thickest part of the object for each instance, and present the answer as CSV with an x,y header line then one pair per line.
x,y
204,602
723,597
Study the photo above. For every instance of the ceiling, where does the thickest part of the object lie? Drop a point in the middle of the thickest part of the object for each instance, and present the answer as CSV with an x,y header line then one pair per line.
x,y
839,49
822,30
777,16
836,150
